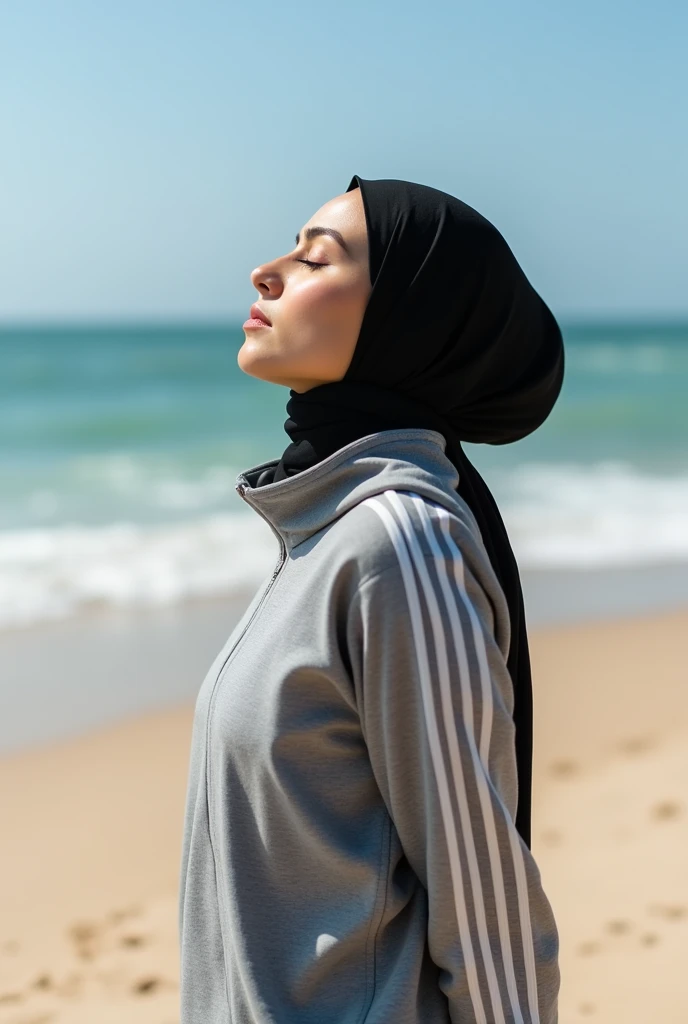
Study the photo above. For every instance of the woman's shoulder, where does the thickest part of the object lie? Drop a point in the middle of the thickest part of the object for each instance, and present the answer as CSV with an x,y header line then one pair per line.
x,y
399,537
384,526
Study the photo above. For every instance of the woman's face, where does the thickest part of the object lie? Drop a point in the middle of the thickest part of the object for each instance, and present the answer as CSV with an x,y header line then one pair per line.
x,y
315,311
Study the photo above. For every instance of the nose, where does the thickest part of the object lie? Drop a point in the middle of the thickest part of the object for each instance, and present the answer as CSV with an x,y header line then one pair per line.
x,y
267,280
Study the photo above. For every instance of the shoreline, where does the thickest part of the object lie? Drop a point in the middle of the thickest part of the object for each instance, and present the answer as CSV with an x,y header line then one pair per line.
x,y
91,847
110,665
62,678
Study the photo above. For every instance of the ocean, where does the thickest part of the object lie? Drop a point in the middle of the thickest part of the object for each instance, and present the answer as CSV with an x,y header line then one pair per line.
x,y
120,445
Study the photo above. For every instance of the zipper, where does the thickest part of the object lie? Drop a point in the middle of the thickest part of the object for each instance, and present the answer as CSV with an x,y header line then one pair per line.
x,y
241,488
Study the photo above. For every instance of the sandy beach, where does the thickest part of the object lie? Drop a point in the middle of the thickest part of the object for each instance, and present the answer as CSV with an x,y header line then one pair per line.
x,y
91,838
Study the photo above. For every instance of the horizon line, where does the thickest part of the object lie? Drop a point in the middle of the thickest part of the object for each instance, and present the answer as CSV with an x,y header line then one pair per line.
x,y
570,319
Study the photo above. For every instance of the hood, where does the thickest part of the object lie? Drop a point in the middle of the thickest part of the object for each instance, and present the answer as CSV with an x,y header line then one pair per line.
x,y
410,459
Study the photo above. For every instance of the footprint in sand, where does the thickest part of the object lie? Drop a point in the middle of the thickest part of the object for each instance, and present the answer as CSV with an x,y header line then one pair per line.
x,y
42,982
670,911
588,948
587,1009
11,946
665,810
6,998
85,936
143,986
563,768
618,927
632,746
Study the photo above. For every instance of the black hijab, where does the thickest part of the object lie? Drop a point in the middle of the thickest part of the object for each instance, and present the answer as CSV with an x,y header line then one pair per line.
x,y
454,338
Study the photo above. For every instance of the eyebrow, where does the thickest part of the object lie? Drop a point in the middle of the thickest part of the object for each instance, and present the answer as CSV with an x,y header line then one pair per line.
x,y
313,232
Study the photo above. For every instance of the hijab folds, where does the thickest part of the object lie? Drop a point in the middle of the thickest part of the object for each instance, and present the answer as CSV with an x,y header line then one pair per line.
x,y
453,338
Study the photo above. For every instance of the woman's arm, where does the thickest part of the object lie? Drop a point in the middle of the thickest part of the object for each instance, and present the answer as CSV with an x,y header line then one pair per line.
x,y
436,703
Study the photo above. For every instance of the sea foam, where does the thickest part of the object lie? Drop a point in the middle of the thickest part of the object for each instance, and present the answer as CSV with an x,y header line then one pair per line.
x,y
558,517
607,514
53,573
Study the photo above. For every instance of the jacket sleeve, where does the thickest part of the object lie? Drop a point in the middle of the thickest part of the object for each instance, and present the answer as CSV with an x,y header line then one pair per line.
x,y
436,700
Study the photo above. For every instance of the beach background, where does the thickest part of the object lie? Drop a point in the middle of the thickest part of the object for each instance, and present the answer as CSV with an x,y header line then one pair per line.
x,y
126,556
120,450
160,152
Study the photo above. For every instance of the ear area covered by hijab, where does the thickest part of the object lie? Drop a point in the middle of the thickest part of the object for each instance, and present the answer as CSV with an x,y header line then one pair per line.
x,y
452,319
455,338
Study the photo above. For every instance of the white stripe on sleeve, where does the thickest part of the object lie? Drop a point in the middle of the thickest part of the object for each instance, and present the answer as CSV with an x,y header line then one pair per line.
x,y
410,554
514,840
436,754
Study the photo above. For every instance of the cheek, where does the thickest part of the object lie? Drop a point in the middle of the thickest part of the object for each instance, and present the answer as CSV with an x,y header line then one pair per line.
x,y
319,308
319,303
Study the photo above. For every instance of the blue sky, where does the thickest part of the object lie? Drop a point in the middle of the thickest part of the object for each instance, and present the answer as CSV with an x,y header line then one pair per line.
x,y
155,152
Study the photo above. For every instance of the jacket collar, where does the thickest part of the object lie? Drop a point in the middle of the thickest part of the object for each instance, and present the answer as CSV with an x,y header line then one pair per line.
x,y
300,505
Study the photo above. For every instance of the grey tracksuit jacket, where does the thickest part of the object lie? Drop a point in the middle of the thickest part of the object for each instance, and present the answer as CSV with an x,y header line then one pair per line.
x,y
349,849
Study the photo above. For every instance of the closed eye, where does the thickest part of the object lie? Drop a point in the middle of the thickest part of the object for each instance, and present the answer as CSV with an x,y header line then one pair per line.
x,y
311,264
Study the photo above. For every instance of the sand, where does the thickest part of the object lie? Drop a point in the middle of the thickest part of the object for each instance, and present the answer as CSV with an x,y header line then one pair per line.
x,y
91,834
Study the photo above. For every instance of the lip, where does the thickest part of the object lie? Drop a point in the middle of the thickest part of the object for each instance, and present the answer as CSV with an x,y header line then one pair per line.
x,y
256,313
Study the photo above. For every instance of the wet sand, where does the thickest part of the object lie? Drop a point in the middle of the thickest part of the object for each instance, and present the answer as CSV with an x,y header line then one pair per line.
x,y
59,679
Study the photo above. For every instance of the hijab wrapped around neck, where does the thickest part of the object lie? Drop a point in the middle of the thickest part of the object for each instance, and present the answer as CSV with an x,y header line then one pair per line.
x,y
453,338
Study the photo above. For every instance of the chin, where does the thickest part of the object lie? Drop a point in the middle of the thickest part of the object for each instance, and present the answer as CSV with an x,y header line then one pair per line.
x,y
250,358
265,369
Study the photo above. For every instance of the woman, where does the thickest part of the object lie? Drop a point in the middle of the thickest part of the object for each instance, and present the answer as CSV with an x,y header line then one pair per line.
x,y
357,832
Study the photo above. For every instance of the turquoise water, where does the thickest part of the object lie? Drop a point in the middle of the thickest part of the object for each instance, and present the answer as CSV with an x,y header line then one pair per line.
x,y
119,448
